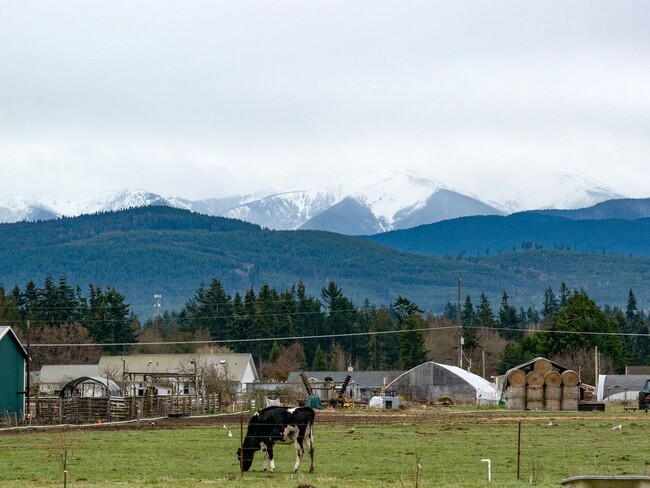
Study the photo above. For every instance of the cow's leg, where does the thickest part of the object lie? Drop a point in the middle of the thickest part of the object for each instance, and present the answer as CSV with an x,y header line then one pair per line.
x,y
271,461
299,452
309,446
264,449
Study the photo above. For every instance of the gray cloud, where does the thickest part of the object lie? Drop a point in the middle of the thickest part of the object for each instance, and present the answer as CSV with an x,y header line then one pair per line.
x,y
208,98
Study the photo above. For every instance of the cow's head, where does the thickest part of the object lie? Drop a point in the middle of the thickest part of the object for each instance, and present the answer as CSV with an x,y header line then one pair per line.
x,y
247,455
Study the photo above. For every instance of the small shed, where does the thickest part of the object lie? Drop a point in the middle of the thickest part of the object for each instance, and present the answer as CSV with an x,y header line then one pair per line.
x,y
13,366
91,387
431,381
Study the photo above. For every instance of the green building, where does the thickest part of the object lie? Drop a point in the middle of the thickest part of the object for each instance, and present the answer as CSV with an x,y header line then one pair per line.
x,y
13,360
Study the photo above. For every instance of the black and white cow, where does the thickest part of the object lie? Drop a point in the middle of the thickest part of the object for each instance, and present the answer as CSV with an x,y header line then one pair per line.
x,y
278,424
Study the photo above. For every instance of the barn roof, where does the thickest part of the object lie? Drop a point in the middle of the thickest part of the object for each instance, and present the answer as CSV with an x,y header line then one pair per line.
x,y
8,331
529,365
484,389
57,373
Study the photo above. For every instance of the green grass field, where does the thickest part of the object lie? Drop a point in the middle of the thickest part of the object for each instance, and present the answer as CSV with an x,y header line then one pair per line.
x,y
382,452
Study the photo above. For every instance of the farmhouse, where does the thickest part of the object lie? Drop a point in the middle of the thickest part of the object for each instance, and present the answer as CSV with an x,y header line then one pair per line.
x,y
431,381
176,373
166,374
13,361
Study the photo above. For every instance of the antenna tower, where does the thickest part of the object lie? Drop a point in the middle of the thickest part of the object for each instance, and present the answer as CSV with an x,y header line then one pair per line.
x,y
156,305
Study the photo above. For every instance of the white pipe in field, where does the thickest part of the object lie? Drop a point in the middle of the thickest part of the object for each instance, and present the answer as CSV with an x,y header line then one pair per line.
x,y
489,463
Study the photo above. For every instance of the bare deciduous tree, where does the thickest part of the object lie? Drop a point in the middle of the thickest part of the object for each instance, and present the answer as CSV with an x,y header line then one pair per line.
x,y
288,360
583,362
66,335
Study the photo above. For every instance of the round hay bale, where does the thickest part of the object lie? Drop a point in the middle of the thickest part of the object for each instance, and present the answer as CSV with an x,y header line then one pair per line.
x,y
534,397
570,378
552,405
552,378
516,397
534,378
553,392
534,404
543,366
517,377
534,393
571,393
553,398
569,404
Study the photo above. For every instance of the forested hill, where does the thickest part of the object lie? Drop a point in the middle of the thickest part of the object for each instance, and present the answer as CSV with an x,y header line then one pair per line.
x,y
490,235
159,250
153,218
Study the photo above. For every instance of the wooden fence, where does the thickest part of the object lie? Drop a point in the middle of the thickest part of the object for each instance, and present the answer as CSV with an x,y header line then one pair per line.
x,y
79,410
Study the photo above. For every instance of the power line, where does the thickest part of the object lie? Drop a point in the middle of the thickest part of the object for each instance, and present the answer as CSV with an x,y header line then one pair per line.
x,y
332,336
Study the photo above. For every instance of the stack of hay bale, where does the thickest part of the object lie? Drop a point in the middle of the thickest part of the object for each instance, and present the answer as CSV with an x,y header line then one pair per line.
x,y
542,387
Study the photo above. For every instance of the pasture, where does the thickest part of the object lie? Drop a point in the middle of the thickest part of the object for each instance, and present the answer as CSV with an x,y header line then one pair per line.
x,y
441,448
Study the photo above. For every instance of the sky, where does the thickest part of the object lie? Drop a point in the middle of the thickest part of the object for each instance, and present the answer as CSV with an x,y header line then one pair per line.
x,y
206,99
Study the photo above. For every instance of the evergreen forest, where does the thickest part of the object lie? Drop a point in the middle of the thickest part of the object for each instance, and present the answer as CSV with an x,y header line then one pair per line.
x,y
293,329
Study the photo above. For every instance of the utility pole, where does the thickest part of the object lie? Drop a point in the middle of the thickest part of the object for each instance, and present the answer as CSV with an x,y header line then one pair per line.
x,y
460,328
28,407
483,361
596,367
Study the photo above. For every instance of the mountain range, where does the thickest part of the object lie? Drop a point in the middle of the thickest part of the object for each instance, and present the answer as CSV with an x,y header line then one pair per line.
x,y
371,204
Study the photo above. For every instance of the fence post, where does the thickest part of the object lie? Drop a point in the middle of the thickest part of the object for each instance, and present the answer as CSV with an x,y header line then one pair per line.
x,y
518,448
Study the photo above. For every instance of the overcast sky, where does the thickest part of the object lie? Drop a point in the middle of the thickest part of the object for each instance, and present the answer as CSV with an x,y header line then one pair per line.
x,y
206,99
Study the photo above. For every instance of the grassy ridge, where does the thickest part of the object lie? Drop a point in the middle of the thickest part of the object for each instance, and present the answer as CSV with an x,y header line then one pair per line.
x,y
449,446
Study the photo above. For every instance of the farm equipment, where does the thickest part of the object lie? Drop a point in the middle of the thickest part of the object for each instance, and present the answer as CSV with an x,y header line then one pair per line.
x,y
313,400
340,398
644,396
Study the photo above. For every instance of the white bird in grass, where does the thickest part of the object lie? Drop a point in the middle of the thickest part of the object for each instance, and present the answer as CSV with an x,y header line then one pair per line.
x,y
229,434
617,427
224,426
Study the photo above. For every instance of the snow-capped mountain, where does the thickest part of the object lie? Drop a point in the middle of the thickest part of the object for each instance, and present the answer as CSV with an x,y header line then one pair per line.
x,y
370,204
212,206
566,190
121,200
377,203
17,208
286,211
398,201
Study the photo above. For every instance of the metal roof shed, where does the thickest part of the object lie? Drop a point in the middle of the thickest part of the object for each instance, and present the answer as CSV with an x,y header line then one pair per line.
x,y
13,361
431,381
82,387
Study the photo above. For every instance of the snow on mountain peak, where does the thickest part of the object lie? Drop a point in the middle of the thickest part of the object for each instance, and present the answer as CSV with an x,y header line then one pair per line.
x,y
572,189
394,198
121,200
396,192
